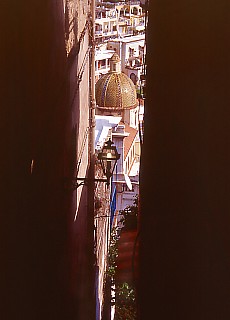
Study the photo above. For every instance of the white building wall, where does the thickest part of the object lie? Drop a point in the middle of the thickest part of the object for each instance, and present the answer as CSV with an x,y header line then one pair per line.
x,y
123,45
131,117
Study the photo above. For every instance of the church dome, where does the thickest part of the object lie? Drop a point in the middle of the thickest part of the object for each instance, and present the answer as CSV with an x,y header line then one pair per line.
x,y
114,90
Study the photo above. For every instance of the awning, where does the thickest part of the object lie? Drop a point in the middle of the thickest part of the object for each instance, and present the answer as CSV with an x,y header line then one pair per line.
x,y
128,181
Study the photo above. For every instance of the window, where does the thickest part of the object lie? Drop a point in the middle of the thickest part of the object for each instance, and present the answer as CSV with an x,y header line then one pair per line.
x,y
125,188
141,50
102,64
131,52
135,11
133,78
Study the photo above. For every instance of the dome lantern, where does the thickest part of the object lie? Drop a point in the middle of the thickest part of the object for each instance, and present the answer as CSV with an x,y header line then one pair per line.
x,y
115,63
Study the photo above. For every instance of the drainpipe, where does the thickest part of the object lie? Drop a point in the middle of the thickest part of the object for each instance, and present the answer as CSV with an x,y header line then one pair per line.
x,y
91,172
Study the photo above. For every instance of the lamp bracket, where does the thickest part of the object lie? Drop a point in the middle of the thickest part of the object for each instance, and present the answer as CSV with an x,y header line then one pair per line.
x,y
85,181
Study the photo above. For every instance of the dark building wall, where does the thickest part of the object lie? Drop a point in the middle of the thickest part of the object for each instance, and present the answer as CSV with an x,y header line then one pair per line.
x,y
39,255
33,98
185,222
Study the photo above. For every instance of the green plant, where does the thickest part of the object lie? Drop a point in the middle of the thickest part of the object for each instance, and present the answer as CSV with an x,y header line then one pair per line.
x,y
113,253
130,214
125,295
125,302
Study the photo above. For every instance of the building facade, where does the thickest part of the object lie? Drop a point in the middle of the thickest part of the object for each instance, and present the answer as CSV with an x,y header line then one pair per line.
x,y
118,20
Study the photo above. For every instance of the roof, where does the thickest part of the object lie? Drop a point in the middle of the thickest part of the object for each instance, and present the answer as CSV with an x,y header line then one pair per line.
x,y
115,91
129,38
115,57
103,54
103,125
129,140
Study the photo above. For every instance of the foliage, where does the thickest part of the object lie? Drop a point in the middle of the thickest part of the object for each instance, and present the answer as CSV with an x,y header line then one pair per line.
x,y
130,212
125,295
113,252
125,302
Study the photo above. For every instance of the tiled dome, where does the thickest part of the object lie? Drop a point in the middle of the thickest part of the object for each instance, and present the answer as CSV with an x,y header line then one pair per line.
x,y
114,90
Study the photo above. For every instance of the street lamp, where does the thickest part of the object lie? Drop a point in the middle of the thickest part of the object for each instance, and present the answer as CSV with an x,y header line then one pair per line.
x,y
108,158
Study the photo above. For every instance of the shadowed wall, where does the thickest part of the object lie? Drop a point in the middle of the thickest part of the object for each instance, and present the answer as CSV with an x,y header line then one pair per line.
x,y
185,222
41,263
